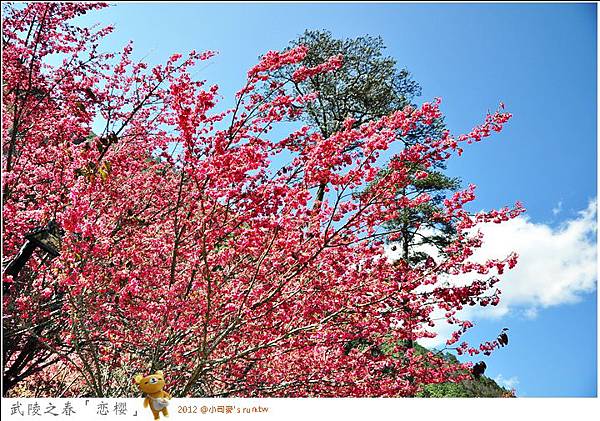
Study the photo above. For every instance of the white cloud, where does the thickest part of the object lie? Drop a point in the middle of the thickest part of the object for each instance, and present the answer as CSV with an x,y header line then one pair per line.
x,y
509,383
558,209
556,266
531,313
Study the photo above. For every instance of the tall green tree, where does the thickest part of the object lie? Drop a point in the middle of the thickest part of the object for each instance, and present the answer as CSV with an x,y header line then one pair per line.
x,y
366,87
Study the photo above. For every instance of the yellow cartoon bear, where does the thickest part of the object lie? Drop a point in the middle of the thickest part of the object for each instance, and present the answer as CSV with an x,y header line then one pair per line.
x,y
152,386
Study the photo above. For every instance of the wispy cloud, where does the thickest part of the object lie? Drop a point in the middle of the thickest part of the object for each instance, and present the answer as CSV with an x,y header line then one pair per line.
x,y
558,209
531,313
509,383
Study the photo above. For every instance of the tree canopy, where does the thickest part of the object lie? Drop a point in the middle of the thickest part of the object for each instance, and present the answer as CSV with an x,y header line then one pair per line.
x,y
182,249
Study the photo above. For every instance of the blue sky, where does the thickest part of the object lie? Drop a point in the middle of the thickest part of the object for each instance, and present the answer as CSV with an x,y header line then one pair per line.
x,y
540,60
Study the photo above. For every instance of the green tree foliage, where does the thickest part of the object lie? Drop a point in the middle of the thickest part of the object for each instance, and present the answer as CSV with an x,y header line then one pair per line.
x,y
368,86
477,388
482,387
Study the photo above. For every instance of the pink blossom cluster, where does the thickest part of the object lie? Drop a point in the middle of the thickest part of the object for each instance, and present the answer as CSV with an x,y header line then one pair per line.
x,y
193,241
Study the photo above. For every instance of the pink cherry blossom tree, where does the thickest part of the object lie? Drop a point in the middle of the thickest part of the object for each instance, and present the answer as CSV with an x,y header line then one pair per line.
x,y
193,242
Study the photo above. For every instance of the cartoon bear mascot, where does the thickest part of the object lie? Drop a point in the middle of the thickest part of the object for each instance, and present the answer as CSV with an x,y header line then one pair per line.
x,y
152,386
